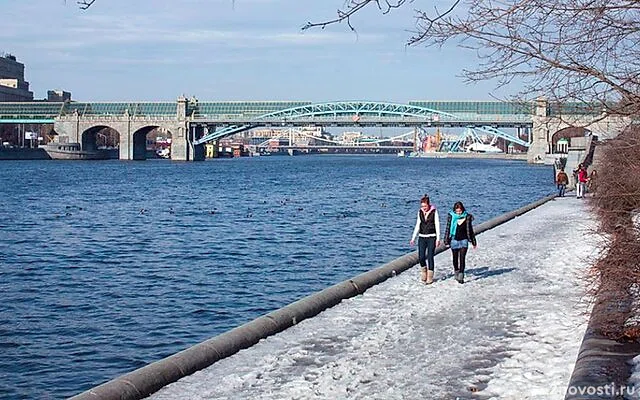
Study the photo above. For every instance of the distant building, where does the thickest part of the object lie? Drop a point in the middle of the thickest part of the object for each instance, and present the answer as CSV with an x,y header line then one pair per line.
x,y
58,95
13,87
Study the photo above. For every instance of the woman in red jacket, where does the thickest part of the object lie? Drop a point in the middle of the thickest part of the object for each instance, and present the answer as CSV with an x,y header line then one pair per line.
x,y
583,178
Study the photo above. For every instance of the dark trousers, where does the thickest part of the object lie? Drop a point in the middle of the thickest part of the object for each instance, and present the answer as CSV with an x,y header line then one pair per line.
x,y
561,189
426,250
459,257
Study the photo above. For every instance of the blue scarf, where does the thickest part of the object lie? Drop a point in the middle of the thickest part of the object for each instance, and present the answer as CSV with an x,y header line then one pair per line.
x,y
454,222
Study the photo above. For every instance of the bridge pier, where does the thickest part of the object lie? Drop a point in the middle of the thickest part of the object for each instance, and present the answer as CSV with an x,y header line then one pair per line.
x,y
182,147
546,122
133,130
539,133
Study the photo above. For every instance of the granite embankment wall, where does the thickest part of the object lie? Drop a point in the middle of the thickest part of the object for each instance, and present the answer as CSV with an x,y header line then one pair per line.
x,y
602,368
7,153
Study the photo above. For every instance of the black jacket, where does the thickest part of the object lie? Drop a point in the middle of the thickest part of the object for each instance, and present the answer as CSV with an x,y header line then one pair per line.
x,y
471,235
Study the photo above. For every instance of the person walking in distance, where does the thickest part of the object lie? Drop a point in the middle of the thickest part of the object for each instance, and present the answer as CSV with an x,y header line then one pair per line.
x,y
459,232
562,180
593,181
427,230
582,181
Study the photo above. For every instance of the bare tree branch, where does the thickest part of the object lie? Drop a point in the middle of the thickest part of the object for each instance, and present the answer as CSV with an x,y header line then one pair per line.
x,y
352,7
84,4
569,50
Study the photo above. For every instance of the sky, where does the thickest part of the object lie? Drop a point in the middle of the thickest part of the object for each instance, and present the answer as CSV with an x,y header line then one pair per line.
x,y
512,331
230,50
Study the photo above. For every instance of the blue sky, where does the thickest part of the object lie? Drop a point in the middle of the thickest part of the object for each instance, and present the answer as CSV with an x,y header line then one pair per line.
x,y
229,50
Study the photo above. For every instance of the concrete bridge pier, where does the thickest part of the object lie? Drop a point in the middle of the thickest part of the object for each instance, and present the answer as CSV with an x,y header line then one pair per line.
x,y
539,134
186,132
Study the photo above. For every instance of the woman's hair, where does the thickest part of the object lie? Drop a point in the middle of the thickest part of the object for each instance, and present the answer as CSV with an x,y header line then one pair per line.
x,y
425,199
458,204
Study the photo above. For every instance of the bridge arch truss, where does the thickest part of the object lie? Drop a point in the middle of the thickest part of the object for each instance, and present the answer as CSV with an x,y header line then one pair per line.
x,y
346,112
357,109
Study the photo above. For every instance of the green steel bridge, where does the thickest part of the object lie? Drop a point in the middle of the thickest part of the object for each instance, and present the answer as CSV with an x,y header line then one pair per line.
x,y
197,122
238,112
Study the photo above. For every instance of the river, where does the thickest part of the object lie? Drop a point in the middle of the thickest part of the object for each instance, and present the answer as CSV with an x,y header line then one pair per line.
x,y
107,266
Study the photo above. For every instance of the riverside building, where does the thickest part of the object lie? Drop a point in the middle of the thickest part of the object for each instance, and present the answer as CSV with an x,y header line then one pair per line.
x,y
13,87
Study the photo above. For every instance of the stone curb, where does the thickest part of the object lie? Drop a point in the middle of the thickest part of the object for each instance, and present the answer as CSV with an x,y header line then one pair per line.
x,y
602,367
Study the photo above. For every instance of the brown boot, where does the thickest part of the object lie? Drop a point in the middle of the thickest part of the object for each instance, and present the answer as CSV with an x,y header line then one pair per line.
x,y
423,274
429,277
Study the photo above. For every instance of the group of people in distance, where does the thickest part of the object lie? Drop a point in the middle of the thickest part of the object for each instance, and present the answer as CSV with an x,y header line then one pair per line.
x,y
584,181
458,234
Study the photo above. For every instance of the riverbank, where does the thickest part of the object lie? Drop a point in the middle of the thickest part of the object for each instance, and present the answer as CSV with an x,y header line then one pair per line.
x,y
23,154
513,330
44,153
41,154
613,336
491,156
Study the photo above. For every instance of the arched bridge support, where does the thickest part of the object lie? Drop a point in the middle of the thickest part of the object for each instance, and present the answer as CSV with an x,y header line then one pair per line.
x,y
132,131
546,125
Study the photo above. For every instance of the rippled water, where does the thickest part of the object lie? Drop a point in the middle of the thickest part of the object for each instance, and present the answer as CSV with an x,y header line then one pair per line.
x,y
108,266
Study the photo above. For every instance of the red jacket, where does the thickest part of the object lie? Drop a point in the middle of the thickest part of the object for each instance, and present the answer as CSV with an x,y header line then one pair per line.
x,y
582,175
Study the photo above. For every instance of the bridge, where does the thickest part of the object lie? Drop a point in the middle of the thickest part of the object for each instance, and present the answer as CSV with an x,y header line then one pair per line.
x,y
193,123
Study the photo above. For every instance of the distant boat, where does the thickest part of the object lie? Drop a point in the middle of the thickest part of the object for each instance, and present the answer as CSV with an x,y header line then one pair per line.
x,y
401,153
482,148
424,154
295,152
164,153
72,151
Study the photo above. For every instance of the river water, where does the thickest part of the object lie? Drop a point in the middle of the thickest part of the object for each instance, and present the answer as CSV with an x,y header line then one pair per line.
x,y
107,266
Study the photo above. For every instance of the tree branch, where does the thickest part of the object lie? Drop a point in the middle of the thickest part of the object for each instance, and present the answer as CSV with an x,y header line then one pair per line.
x,y
352,8
84,4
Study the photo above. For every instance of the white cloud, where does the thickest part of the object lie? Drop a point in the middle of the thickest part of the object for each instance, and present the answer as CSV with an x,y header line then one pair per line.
x,y
96,30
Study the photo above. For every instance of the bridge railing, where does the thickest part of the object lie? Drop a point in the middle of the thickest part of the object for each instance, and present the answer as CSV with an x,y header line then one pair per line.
x,y
363,119
110,118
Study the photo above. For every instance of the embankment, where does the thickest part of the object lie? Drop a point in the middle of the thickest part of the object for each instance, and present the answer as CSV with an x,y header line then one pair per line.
x,y
149,379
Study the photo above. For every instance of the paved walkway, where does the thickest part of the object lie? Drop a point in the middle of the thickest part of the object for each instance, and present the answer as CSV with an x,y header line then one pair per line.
x,y
511,332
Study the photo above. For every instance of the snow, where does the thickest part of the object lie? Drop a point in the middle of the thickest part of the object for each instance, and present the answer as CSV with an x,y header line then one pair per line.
x,y
633,385
512,331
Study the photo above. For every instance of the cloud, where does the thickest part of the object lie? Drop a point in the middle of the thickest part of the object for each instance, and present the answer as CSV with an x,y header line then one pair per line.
x,y
98,30
62,58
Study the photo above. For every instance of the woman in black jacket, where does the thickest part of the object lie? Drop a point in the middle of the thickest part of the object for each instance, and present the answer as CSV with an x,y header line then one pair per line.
x,y
459,233
427,230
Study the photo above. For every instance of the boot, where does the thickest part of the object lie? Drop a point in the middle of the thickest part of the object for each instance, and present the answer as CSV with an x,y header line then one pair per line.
x,y
429,277
460,277
423,274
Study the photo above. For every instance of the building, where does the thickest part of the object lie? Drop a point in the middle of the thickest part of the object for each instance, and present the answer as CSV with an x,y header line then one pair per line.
x,y
58,95
13,87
